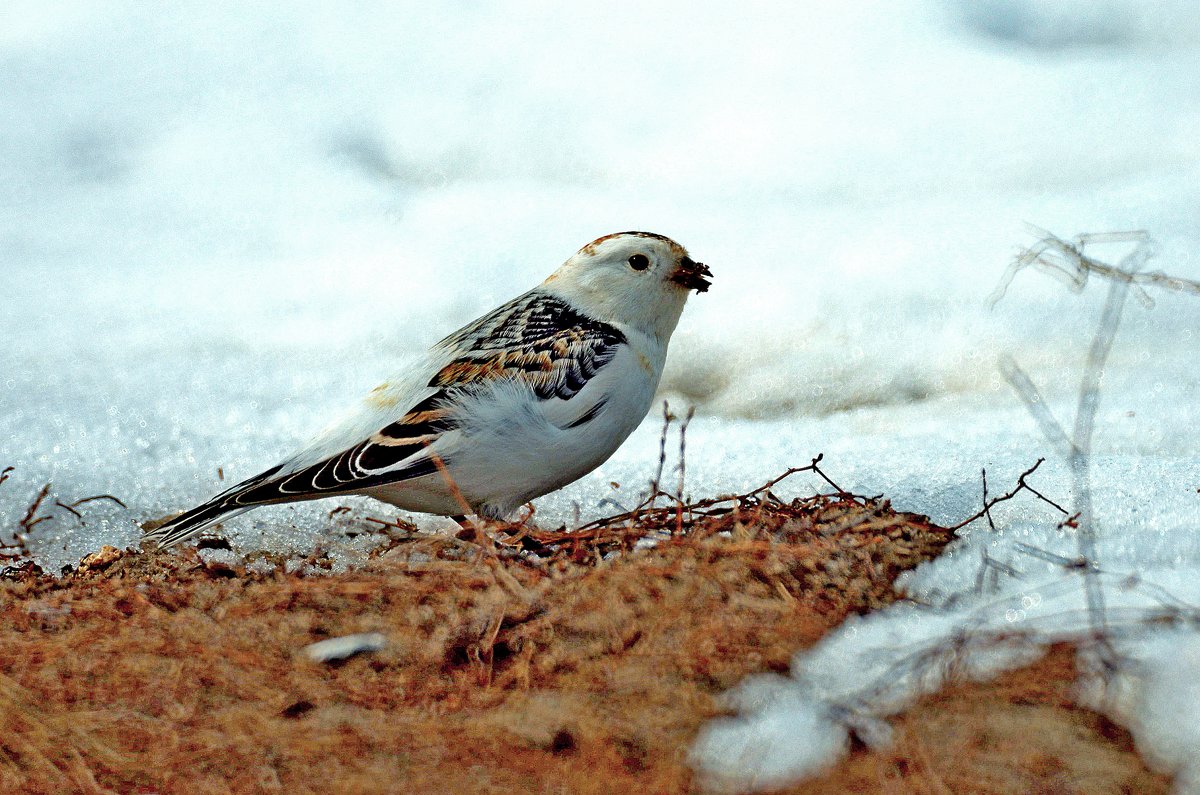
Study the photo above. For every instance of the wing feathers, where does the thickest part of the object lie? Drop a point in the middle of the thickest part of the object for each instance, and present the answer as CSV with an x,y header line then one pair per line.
x,y
588,415
538,339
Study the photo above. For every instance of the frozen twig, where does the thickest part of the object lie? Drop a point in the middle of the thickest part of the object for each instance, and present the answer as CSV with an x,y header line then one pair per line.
x,y
940,658
1035,404
1085,419
1060,258
1067,261
1075,563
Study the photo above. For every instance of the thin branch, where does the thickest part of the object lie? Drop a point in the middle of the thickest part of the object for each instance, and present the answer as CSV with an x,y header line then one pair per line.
x,y
108,497
668,418
1022,485
28,521
682,467
987,509
70,509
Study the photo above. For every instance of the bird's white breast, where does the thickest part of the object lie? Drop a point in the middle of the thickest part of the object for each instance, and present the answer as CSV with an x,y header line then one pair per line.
x,y
514,447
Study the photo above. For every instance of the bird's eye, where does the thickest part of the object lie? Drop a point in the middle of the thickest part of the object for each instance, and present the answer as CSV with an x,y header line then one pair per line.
x,y
639,262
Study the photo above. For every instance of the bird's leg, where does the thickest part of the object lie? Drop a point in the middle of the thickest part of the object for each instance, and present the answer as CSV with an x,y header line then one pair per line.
x,y
473,530
529,506
467,530
518,533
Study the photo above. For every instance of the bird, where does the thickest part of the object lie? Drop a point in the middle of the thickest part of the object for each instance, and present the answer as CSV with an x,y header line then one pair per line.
x,y
516,404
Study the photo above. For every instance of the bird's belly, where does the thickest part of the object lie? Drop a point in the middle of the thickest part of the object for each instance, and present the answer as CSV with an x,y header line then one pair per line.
x,y
506,469
513,447
496,476
429,494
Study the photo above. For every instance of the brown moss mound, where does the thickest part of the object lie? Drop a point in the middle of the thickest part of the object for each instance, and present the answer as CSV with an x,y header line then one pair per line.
x,y
565,671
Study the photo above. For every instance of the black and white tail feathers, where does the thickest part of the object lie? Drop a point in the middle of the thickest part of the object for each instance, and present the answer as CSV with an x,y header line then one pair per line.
x,y
339,474
228,503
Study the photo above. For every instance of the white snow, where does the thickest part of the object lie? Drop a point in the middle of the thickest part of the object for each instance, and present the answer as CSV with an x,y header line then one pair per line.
x,y
795,736
1163,717
221,224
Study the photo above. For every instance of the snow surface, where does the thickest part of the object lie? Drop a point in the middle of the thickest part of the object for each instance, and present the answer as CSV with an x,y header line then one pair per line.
x,y
220,225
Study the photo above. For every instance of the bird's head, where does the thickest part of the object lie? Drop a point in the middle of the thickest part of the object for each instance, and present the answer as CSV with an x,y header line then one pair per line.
x,y
635,278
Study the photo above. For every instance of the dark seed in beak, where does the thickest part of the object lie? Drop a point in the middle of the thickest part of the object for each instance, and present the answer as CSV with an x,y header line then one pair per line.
x,y
692,275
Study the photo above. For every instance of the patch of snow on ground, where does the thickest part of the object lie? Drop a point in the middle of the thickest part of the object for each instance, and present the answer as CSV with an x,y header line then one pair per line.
x,y
1166,703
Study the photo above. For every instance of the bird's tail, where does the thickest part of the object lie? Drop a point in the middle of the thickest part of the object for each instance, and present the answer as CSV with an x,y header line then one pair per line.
x,y
226,504
190,523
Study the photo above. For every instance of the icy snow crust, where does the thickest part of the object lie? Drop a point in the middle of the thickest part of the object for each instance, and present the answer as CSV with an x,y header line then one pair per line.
x,y
220,227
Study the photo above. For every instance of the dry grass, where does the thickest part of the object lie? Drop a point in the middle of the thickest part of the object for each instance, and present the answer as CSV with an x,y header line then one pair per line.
x,y
568,673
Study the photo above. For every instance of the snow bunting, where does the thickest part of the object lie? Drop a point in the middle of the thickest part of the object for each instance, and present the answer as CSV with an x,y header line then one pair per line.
x,y
526,399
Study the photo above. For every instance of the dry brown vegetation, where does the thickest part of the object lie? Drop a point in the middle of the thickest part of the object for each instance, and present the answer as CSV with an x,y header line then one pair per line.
x,y
588,667
1019,733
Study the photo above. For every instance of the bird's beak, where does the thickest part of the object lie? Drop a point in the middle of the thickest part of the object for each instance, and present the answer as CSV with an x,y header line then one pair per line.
x,y
692,275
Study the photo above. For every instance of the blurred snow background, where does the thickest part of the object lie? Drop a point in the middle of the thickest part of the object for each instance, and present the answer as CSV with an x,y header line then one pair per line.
x,y
221,223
